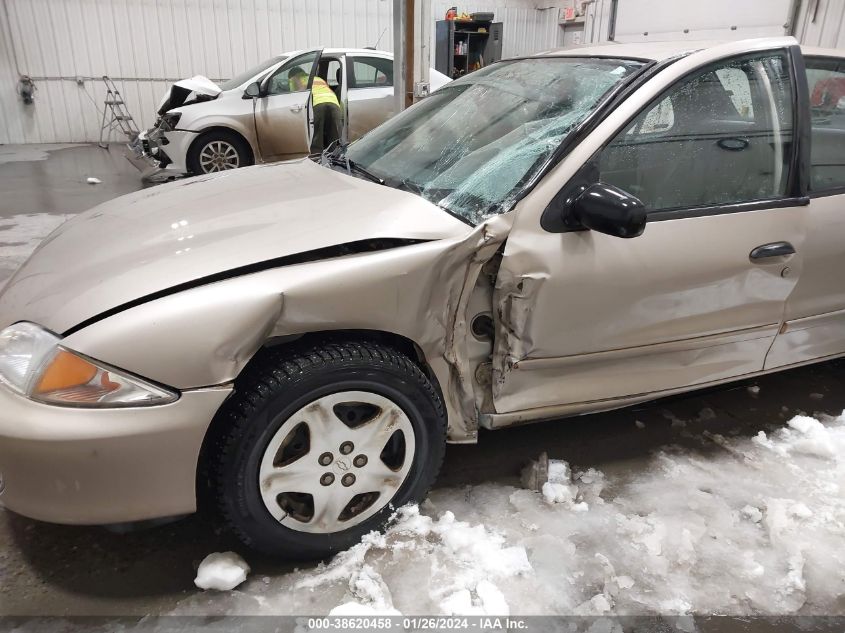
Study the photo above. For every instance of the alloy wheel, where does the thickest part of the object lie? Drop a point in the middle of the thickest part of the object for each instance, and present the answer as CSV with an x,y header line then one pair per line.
x,y
218,156
336,462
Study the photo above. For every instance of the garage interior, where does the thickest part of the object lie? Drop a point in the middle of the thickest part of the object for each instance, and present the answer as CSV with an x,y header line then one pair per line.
x,y
69,142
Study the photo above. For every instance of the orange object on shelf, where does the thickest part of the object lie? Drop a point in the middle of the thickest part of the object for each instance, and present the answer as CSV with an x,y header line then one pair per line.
x,y
452,13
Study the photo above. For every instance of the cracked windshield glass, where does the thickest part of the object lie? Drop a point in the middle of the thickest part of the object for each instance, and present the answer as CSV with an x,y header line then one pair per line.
x,y
471,147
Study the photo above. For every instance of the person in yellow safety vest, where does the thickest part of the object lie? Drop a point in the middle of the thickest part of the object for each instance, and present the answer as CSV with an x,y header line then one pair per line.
x,y
327,112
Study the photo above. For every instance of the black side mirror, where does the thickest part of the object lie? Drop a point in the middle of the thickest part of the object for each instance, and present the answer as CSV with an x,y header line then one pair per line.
x,y
252,91
608,209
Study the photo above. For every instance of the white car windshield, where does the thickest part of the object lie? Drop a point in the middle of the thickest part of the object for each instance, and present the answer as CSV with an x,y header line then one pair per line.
x,y
234,82
472,146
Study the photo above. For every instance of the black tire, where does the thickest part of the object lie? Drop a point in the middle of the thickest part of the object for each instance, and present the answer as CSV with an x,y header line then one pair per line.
x,y
276,385
245,157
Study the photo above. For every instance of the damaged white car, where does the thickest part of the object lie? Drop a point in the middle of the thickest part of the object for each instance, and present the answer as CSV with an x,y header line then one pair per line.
x,y
293,345
259,116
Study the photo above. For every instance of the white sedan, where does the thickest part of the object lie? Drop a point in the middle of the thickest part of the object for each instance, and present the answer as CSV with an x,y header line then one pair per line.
x,y
204,127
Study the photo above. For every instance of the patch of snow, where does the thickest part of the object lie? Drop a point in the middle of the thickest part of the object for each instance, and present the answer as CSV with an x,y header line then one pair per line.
x,y
93,181
221,571
754,390
559,493
752,513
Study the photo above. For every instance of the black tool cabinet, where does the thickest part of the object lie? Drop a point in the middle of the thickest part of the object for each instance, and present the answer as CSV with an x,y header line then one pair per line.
x,y
462,46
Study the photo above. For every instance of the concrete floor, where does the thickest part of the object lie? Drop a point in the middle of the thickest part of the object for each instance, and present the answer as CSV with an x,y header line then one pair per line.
x,y
49,569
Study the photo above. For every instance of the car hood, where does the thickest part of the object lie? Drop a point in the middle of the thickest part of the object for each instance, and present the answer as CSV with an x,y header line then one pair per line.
x,y
158,239
178,93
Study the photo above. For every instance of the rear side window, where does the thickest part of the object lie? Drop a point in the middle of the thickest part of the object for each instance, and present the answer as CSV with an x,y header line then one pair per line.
x,y
721,136
826,79
372,72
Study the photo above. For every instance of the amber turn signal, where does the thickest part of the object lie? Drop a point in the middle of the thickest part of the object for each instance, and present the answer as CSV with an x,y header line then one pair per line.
x,y
65,371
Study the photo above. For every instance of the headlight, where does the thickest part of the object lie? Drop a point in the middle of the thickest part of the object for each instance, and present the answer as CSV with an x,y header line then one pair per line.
x,y
34,364
170,121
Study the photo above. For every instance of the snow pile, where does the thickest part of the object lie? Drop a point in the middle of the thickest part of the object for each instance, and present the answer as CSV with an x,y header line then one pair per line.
x,y
561,489
743,526
221,571
464,563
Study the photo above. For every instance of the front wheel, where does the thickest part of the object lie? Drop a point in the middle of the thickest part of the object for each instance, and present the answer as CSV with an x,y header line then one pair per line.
x,y
218,150
318,446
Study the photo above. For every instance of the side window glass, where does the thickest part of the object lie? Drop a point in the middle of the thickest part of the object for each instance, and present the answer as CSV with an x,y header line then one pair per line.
x,y
659,118
293,76
826,80
721,136
372,72
332,71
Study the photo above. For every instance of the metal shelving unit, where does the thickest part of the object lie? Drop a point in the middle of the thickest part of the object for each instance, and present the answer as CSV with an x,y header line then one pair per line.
x,y
481,41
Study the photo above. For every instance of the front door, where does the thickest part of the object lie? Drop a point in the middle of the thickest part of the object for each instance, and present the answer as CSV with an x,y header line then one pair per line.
x,y
283,117
586,317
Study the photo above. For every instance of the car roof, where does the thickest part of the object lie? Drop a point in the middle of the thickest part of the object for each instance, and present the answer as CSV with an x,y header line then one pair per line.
x,y
659,51
335,51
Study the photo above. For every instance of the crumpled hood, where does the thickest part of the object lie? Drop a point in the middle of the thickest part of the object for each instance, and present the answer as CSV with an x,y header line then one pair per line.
x,y
179,92
155,239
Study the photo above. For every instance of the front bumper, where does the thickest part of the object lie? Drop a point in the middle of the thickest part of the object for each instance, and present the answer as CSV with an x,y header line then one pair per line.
x,y
168,150
95,466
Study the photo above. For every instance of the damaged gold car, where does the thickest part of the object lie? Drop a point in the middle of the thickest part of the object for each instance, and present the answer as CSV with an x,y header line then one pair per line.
x,y
293,345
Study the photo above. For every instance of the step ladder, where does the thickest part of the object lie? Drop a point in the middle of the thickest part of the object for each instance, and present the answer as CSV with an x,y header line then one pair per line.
x,y
116,116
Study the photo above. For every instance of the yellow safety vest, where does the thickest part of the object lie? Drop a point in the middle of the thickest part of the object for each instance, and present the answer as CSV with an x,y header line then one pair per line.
x,y
322,93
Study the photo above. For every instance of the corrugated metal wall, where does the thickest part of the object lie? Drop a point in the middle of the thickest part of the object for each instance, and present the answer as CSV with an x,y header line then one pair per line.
x,y
597,21
146,44
822,23
818,23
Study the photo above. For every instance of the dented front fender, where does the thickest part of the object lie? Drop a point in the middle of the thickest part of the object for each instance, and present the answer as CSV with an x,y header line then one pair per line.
x,y
205,335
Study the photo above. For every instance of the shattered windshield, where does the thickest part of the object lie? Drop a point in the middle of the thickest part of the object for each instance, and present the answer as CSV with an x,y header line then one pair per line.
x,y
234,82
471,146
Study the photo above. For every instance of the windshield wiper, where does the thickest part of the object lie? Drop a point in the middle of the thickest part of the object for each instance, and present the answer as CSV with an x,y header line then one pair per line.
x,y
352,166
335,154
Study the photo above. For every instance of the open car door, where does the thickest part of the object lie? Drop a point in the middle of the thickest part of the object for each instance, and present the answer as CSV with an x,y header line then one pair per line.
x,y
283,113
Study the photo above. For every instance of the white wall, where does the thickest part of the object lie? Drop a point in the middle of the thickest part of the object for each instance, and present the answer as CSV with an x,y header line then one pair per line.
x,y
818,23
822,23
665,20
146,44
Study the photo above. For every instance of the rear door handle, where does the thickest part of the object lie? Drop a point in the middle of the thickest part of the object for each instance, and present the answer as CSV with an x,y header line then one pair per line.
x,y
775,249
296,108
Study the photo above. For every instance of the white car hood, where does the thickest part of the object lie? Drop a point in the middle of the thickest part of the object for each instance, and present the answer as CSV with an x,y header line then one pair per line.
x,y
180,91
158,239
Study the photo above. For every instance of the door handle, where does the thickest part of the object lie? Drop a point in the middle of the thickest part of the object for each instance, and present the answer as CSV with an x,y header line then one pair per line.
x,y
775,249
296,108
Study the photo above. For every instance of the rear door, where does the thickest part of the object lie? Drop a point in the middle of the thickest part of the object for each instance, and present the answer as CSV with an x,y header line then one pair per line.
x,y
283,116
814,319
586,317
370,92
